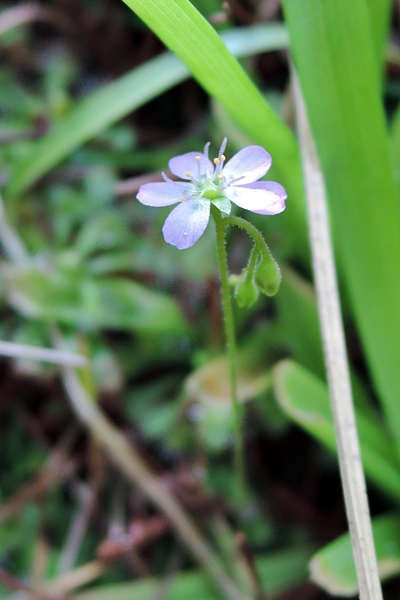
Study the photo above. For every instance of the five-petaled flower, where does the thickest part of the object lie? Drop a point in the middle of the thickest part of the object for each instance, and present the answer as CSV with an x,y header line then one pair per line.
x,y
212,182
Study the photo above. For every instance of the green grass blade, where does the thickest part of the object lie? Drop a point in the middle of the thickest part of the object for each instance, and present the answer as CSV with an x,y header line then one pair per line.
x,y
395,146
334,54
185,31
305,399
379,18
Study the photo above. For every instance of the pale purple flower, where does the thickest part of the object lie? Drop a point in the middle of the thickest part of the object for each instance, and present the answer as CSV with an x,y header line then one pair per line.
x,y
212,182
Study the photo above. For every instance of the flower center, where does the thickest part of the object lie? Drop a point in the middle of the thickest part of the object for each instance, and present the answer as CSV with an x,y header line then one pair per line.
x,y
212,194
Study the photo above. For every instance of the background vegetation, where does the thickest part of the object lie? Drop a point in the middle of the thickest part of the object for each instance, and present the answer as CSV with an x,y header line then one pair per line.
x,y
116,476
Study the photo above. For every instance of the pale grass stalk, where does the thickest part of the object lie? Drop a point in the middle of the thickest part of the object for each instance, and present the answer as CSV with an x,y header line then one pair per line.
x,y
25,351
77,531
351,469
65,583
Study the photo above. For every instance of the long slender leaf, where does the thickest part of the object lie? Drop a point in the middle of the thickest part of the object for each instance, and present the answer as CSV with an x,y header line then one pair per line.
x,y
333,53
180,26
379,18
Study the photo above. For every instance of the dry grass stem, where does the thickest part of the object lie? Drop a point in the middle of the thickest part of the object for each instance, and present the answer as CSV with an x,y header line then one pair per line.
x,y
351,469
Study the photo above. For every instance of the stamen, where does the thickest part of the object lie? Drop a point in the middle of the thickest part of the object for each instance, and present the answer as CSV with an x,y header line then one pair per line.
x,y
223,157
166,178
220,177
216,161
198,157
206,147
188,174
223,146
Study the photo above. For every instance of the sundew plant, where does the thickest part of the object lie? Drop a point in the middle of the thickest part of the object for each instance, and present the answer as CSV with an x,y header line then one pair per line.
x,y
200,285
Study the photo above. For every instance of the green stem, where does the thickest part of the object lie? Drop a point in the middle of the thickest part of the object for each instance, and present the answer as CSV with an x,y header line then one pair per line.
x,y
220,224
259,241
251,265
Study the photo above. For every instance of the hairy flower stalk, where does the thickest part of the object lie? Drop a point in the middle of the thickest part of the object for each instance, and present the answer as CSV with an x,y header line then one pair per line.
x,y
209,187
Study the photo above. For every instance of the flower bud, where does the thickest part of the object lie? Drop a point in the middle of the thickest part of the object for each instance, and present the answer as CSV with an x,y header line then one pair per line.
x,y
268,276
246,291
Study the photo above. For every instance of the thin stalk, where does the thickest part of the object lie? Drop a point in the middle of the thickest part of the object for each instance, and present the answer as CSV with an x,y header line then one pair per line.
x,y
351,470
253,232
229,326
252,263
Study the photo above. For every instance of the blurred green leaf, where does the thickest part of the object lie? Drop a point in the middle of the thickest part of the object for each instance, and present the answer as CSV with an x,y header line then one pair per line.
x,y
107,230
379,20
77,300
207,392
333,566
305,399
296,330
278,571
296,326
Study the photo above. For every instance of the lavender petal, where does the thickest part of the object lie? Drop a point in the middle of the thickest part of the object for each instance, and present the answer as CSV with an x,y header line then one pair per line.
x,y
271,186
164,194
258,198
249,164
186,223
187,163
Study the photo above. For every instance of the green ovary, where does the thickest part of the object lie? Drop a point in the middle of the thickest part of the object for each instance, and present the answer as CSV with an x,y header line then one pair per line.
x,y
212,194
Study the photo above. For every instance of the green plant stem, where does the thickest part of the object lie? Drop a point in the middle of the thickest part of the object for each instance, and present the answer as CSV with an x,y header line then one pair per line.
x,y
251,265
220,224
261,244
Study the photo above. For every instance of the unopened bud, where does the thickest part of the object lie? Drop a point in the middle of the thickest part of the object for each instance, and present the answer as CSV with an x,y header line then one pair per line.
x,y
268,276
246,291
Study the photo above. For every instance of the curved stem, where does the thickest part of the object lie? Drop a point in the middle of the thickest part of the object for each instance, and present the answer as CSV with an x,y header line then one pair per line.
x,y
220,224
259,241
251,265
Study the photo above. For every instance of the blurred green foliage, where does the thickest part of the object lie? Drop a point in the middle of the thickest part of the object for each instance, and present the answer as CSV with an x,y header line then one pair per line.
x,y
147,314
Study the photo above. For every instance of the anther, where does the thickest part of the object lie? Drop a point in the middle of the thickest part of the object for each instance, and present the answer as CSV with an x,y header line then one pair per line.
x,y
216,161
198,158
223,157
220,177
188,174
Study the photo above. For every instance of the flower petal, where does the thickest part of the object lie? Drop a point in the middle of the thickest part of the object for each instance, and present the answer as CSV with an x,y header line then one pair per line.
x,y
186,223
249,164
187,163
263,197
164,194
